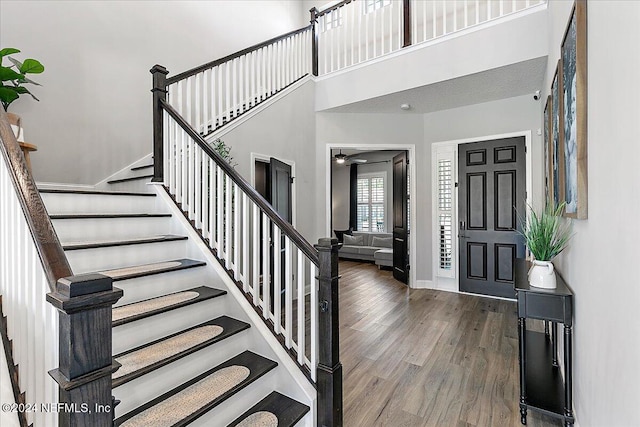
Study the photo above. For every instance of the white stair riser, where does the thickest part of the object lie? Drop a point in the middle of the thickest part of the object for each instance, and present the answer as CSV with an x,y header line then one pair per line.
x,y
140,332
136,185
64,203
156,285
74,230
99,259
145,388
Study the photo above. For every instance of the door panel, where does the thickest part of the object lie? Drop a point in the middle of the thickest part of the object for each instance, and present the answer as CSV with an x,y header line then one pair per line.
x,y
491,178
400,218
280,183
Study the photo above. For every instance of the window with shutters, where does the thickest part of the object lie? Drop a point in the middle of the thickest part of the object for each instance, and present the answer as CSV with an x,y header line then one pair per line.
x,y
370,203
445,214
332,19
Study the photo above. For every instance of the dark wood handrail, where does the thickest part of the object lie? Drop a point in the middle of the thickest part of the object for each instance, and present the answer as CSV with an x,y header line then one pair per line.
x,y
332,8
266,207
203,67
50,251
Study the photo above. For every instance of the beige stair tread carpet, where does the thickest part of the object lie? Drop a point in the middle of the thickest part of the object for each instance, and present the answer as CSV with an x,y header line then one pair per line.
x,y
136,360
142,307
188,401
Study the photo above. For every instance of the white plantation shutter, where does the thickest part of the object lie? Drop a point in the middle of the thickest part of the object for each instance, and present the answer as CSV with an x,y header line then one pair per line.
x,y
445,214
371,203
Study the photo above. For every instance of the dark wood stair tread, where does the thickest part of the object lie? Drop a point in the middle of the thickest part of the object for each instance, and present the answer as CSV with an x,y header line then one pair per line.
x,y
288,411
97,193
137,168
143,309
149,357
164,410
109,216
150,269
111,243
131,178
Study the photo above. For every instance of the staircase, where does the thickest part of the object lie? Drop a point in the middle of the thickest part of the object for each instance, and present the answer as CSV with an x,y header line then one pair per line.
x,y
188,352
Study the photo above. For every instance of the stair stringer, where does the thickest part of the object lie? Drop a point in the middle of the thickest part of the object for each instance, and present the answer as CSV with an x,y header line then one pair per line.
x,y
289,380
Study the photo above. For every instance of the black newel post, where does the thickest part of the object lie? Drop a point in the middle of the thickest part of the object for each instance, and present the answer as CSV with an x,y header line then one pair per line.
x,y
84,376
406,13
314,40
159,91
329,366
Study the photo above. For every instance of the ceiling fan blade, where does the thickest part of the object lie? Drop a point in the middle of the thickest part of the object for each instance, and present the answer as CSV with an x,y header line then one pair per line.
x,y
359,160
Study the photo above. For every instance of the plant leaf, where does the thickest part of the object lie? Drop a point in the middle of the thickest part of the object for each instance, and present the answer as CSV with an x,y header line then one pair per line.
x,y
8,94
17,63
31,66
9,74
8,51
27,80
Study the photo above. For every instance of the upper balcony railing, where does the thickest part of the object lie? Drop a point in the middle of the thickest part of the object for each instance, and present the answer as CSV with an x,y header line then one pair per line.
x,y
355,31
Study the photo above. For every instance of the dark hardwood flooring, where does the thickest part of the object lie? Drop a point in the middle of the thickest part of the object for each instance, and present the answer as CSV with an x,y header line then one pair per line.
x,y
426,358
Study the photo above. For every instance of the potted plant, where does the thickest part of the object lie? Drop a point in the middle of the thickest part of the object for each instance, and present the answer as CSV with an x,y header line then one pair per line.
x,y
546,234
13,79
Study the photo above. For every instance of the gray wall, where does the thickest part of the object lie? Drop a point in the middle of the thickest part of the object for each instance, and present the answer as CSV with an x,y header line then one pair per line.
x,y
492,118
599,264
94,117
340,195
284,130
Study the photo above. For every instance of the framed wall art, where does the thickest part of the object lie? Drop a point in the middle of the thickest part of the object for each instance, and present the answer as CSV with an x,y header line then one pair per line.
x,y
573,110
557,175
548,165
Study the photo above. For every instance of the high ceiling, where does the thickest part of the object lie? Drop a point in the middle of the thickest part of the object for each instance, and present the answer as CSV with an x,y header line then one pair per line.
x,y
505,82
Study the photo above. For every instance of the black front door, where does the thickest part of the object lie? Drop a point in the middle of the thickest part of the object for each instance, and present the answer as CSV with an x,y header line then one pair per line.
x,y
400,218
492,190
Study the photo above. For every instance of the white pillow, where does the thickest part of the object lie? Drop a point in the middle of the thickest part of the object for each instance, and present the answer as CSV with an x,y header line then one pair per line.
x,y
353,240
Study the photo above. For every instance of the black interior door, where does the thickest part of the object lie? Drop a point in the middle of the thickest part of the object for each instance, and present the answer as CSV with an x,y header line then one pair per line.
x,y
280,184
491,181
400,218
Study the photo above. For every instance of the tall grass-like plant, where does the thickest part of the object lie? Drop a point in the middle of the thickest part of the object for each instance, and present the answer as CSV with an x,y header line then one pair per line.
x,y
546,233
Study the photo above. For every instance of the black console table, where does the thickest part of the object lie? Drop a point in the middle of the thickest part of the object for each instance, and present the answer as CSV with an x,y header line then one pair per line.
x,y
541,385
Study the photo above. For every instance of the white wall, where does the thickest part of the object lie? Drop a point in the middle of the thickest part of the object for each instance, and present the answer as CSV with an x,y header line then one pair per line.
x,y
95,112
599,264
284,130
491,118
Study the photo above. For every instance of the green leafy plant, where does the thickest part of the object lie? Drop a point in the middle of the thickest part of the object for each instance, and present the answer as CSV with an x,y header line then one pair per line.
x,y
224,150
14,77
546,233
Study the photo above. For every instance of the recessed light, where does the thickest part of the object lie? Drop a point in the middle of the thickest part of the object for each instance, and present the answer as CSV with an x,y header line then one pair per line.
x,y
405,107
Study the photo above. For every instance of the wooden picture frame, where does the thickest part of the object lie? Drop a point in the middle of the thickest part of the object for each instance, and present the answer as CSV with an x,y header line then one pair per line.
x,y
548,164
557,157
573,59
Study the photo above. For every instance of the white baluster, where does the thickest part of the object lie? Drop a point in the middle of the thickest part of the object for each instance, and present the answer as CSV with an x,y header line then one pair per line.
x,y
219,212
245,242
424,21
351,14
179,106
184,162
242,79
301,308
359,12
228,239
466,13
455,15
489,10
228,99
255,259
189,106
197,111
205,196
277,282
434,18
383,12
220,96
191,173
236,232
332,34
288,292
212,204
234,89
501,7
266,258
314,320
444,17
206,118
197,188
374,16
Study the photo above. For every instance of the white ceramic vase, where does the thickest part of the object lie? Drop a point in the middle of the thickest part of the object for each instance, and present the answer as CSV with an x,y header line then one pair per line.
x,y
542,275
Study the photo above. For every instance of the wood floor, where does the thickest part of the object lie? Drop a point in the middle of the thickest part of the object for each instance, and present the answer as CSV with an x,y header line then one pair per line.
x,y
426,358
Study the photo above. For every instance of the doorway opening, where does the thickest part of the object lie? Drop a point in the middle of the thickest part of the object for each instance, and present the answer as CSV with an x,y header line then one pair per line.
x,y
369,205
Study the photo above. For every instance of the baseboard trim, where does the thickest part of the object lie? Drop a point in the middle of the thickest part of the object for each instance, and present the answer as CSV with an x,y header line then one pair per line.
x,y
124,170
423,284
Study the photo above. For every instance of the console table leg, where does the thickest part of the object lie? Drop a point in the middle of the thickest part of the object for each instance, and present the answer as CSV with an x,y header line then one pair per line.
x,y
522,331
554,340
568,385
546,328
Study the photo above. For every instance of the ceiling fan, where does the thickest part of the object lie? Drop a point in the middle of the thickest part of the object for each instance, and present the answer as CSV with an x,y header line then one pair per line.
x,y
341,158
